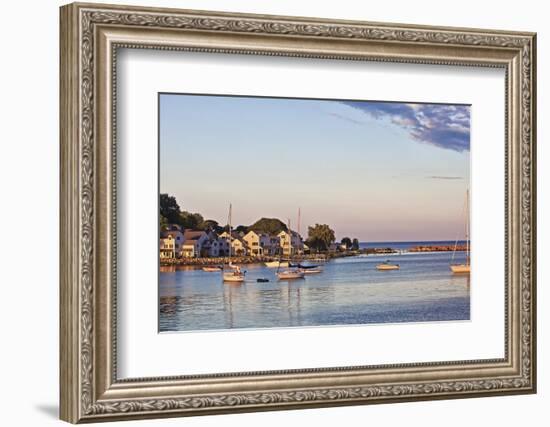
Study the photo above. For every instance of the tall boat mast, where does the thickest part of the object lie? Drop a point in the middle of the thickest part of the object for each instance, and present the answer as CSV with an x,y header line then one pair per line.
x,y
237,275
291,273
464,268
467,227
230,231
289,240
298,229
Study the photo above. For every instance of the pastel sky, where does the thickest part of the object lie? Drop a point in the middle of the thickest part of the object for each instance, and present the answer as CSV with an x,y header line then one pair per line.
x,y
378,171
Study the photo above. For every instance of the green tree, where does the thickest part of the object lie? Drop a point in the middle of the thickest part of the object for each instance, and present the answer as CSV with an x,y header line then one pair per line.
x,y
320,237
355,245
169,209
210,224
346,241
190,220
268,226
241,229
163,222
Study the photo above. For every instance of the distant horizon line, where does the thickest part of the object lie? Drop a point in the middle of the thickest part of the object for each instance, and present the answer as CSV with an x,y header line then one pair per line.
x,y
412,241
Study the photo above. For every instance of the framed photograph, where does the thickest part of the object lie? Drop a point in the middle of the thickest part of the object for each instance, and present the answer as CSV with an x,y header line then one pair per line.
x,y
266,213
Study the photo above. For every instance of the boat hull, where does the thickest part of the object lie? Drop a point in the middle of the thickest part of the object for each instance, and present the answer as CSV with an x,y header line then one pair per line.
x,y
291,275
460,269
385,267
313,271
275,264
233,278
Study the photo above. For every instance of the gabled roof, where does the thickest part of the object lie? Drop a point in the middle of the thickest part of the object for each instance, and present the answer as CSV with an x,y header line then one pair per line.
x,y
173,233
239,239
193,235
294,233
234,235
257,233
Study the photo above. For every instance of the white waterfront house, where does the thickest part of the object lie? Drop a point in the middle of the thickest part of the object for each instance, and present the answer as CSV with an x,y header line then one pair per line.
x,y
258,243
176,243
238,245
171,242
290,243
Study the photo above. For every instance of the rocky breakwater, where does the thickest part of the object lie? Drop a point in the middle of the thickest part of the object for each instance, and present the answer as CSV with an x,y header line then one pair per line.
x,y
437,248
215,261
378,251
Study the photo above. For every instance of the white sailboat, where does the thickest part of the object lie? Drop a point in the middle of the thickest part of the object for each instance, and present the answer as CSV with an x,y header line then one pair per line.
x,y
236,275
291,273
285,264
465,267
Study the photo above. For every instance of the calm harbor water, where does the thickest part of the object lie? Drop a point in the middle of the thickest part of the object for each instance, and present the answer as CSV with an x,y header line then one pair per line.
x,y
349,291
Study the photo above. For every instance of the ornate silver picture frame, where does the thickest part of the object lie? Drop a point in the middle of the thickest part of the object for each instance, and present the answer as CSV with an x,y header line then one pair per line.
x,y
91,35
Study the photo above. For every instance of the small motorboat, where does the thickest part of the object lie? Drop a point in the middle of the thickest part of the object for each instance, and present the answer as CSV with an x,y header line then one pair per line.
x,y
315,270
211,269
262,280
303,266
387,266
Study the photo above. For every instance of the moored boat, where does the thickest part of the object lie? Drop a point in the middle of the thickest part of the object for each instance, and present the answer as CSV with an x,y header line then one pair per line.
x,y
313,270
307,269
465,267
303,266
387,266
211,269
290,274
460,268
235,276
275,264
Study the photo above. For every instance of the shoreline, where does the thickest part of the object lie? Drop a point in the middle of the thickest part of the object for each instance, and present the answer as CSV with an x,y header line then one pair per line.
x,y
203,262
244,260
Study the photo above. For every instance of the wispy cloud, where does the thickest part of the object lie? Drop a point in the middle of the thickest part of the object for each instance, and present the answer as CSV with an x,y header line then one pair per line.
x,y
444,177
346,118
445,126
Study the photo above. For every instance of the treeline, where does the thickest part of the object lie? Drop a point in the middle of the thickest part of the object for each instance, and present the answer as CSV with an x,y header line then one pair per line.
x,y
320,236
